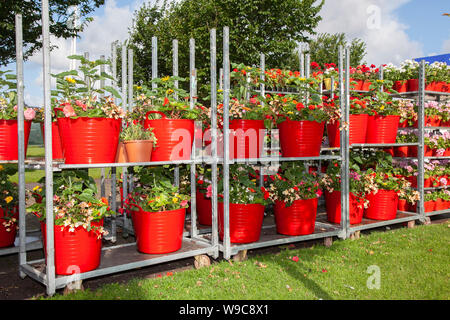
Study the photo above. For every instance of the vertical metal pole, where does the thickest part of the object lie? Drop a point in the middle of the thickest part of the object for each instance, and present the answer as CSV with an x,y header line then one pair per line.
x,y
262,93
130,101
380,76
113,169
226,145
102,176
175,74
154,60
125,107
421,147
345,153
214,226
50,272
332,88
21,147
221,79
192,80
302,62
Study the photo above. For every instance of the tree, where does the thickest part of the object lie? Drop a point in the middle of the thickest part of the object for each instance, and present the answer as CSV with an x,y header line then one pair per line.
x,y
32,30
325,49
273,27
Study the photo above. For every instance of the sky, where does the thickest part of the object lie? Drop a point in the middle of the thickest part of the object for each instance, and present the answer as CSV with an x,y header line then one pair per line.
x,y
394,30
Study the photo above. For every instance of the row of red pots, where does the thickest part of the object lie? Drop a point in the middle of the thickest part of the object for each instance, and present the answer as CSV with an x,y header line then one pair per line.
x,y
8,234
364,128
430,121
413,85
428,152
360,85
436,205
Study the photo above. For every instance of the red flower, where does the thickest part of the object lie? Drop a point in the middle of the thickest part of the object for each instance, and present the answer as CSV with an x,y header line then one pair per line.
x,y
200,181
295,259
166,101
299,106
251,190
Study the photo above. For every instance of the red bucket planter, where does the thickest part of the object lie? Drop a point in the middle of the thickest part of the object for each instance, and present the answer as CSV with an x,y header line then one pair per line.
x,y
158,232
297,219
357,130
382,205
7,238
440,205
428,152
413,85
245,222
365,86
204,209
432,121
9,139
333,207
246,138
57,148
89,140
300,138
174,137
401,86
412,151
75,252
382,129
403,205
357,86
401,151
429,206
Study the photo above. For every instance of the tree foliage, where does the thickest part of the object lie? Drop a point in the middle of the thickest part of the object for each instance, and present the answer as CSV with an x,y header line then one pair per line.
x,y
273,27
32,29
325,49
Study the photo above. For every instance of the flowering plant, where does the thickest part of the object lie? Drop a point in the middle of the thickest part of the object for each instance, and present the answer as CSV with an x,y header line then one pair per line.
x,y
243,187
408,111
8,98
363,72
9,198
405,168
331,71
378,180
392,72
292,183
438,141
411,69
380,102
204,185
74,202
155,191
136,131
331,180
407,136
77,95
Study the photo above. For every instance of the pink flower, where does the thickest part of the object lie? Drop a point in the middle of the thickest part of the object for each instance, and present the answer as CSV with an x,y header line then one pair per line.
x,y
15,108
209,191
81,104
29,114
295,258
68,111
183,203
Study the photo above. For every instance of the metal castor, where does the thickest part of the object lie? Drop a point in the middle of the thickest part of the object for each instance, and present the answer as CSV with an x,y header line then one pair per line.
x,y
328,242
201,261
240,256
355,235
411,224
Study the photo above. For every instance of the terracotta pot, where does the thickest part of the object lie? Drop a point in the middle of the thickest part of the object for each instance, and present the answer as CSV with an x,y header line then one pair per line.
x,y
139,150
121,156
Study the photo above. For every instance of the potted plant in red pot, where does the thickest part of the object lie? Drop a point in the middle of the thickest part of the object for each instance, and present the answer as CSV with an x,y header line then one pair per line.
x,y
331,183
158,211
406,136
9,210
411,73
203,196
396,75
384,118
166,109
300,126
408,114
8,118
370,76
78,221
246,207
89,122
433,113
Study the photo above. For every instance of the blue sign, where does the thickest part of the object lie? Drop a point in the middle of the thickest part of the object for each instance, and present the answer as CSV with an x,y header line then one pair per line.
x,y
439,58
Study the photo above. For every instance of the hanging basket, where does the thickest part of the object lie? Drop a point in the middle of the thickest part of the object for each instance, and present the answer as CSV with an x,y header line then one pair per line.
x,y
245,222
158,232
57,148
7,238
75,252
204,209
382,129
89,140
174,137
9,139
300,138
357,130
333,207
297,219
382,205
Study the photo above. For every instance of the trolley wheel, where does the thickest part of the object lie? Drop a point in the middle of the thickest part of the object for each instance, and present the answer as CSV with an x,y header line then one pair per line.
x,y
328,242
355,235
73,287
201,261
240,256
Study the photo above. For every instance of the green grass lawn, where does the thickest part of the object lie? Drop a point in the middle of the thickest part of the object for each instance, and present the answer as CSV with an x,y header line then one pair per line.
x,y
413,264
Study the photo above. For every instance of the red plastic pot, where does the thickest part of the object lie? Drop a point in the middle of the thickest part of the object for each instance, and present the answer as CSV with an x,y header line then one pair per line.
x,y
204,209
246,138
432,121
356,86
428,152
89,140
413,85
9,139
333,207
75,252
389,150
174,137
412,207
412,180
245,222
365,86
429,206
412,151
440,205
382,129
403,205
57,148
158,232
401,151
297,219
300,138
430,86
401,85
382,205
357,130
7,238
